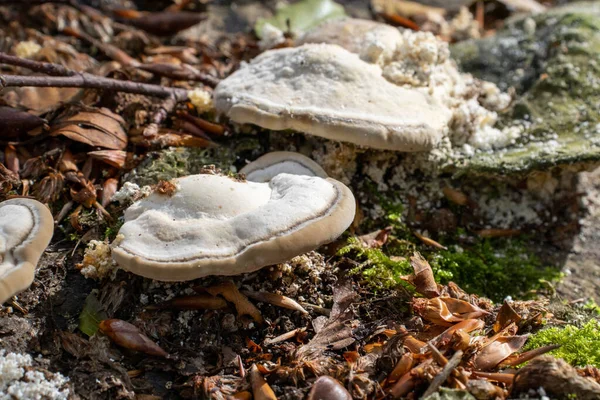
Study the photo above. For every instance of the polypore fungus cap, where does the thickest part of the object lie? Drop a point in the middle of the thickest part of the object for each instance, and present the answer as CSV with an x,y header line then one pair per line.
x,y
373,41
266,167
26,228
217,225
327,91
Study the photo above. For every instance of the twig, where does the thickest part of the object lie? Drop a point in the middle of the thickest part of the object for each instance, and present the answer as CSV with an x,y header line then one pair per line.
x,y
444,374
89,81
163,111
64,77
37,66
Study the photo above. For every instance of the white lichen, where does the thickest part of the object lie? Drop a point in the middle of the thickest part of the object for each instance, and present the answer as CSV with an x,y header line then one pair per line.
x,y
20,380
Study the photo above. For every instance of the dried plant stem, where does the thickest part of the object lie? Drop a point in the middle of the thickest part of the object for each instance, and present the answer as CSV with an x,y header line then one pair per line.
x,y
164,109
89,81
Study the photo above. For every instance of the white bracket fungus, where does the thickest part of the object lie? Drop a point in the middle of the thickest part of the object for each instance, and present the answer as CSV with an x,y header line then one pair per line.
x,y
266,167
373,41
327,91
26,228
217,225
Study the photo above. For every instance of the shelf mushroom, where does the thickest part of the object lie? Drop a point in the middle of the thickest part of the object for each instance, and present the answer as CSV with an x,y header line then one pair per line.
x,y
373,41
327,91
26,228
266,167
219,225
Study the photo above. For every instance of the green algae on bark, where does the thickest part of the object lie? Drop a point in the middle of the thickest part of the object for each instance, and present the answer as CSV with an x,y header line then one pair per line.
x,y
553,62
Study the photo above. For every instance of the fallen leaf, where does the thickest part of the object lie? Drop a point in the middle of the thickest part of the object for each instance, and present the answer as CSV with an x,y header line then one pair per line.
x,y
276,299
231,293
114,158
93,312
446,311
15,121
260,388
494,353
506,316
162,23
423,279
100,127
127,335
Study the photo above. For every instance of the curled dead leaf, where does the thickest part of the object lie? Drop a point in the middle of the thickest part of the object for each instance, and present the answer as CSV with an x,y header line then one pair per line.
x,y
497,351
423,278
114,158
260,387
127,335
100,127
506,316
446,311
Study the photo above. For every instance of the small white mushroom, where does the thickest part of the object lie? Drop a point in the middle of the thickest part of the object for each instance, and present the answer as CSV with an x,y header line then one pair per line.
x,y
264,168
327,91
26,228
373,41
217,225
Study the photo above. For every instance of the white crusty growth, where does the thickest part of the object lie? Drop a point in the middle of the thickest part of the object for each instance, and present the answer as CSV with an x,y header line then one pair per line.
x,y
330,92
264,168
216,225
26,228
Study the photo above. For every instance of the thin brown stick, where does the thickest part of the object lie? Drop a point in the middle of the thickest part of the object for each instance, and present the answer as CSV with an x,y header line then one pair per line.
x,y
89,81
444,374
164,109
37,66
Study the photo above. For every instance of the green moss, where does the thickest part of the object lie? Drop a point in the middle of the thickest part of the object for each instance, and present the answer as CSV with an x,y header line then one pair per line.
x,y
579,346
111,231
494,268
377,269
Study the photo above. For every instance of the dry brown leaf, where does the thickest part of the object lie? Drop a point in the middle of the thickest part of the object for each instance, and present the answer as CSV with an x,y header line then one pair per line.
x,y
15,121
162,23
231,293
38,99
127,335
497,351
114,158
429,241
506,316
260,388
101,128
276,299
423,278
455,196
467,326
446,311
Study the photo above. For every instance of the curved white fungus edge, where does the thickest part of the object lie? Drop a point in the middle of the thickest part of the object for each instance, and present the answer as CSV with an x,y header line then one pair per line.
x,y
26,228
266,167
215,225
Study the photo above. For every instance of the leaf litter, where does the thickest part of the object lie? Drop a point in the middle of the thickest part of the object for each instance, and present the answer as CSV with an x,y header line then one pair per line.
x,y
297,329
